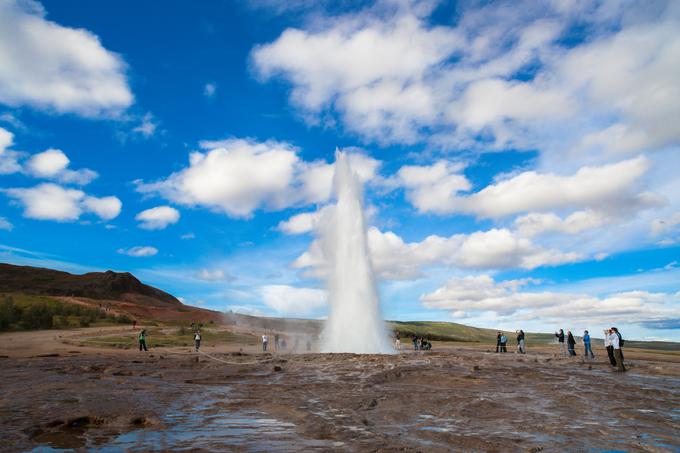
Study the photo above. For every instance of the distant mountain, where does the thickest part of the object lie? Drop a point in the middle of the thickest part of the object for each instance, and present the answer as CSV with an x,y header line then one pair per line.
x,y
107,285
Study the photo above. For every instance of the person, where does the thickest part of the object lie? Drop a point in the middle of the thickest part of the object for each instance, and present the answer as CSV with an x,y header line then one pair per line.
x,y
142,340
415,343
560,340
609,347
197,339
498,341
276,342
265,340
571,342
520,341
504,342
615,339
397,341
586,345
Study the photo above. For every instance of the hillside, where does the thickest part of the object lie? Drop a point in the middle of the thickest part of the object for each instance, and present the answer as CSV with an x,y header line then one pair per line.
x,y
93,285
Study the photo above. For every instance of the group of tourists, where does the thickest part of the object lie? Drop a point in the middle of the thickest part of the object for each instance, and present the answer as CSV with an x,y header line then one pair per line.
x,y
613,341
502,342
421,343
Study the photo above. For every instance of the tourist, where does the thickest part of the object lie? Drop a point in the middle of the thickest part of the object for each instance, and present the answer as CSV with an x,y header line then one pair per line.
x,y
142,340
560,340
265,340
498,341
415,343
276,342
571,342
616,340
586,345
520,341
397,341
504,342
197,339
610,348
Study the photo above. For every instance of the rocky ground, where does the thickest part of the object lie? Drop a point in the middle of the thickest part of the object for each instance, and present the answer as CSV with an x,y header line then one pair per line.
x,y
454,398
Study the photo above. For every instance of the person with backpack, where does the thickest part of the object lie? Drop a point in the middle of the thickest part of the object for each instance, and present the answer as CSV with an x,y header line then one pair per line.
x,y
560,340
520,342
586,345
142,340
617,341
498,341
571,342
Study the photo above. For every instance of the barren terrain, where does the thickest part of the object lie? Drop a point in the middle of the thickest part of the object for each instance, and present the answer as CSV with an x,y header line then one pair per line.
x,y
60,393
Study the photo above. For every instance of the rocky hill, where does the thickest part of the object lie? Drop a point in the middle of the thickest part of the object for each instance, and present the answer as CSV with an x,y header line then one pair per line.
x,y
107,285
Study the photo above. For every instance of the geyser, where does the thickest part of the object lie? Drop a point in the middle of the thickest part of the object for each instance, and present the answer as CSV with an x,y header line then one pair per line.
x,y
354,323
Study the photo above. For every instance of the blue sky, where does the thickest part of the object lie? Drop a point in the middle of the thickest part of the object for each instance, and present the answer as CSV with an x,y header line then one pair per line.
x,y
519,161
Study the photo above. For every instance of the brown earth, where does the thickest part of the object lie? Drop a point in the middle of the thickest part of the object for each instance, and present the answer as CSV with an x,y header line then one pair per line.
x,y
458,397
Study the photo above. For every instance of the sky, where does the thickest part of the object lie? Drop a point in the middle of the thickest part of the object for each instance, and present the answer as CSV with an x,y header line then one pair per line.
x,y
519,159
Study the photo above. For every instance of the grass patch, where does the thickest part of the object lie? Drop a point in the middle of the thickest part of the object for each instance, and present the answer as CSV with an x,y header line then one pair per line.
x,y
170,338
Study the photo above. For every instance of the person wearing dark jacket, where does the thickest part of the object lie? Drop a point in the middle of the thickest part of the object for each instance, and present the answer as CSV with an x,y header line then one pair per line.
x,y
571,342
520,341
498,342
560,340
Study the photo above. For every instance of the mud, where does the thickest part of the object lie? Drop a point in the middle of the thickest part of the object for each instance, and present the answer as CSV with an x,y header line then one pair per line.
x,y
459,399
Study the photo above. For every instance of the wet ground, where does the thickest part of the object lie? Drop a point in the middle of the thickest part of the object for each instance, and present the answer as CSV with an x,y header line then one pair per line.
x,y
460,399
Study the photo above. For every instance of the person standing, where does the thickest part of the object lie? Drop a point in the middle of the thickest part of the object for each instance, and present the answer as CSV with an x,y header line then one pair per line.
x,y
586,345
397,341
520,341
498,341
571,342
610,348
560,340
265,340
615,339
504,342
142,340
197,339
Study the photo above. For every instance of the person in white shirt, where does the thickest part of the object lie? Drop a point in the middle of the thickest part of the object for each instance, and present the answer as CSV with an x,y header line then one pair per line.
x,y
608,346
265,340
615,341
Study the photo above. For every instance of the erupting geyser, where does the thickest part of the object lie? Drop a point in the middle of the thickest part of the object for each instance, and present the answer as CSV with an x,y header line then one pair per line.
x,y
354,323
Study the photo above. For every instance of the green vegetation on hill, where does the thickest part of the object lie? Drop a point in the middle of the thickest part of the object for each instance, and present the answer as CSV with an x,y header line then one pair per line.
x,y
27,312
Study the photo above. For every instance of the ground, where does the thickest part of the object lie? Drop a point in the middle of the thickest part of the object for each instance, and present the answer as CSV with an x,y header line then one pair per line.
x,y
62,389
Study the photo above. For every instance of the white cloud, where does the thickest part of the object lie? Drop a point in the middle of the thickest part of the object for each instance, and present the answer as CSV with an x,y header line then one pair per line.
x,y
188,236
147,126
5,224
238,176
107,208
139,251
9,160
157,218
394,259
62,69
213,275
608,188
53,163
663,226
209,90
300,223
291,300
52,202
535,223
481,294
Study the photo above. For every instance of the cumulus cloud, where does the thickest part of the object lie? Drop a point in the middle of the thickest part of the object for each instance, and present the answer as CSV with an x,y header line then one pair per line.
x,y
300,223
139,251
52,202
9,160
157,218
471,295
536,223
291,300
238,176
394,259
502,72
57,68
53,163
606,187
